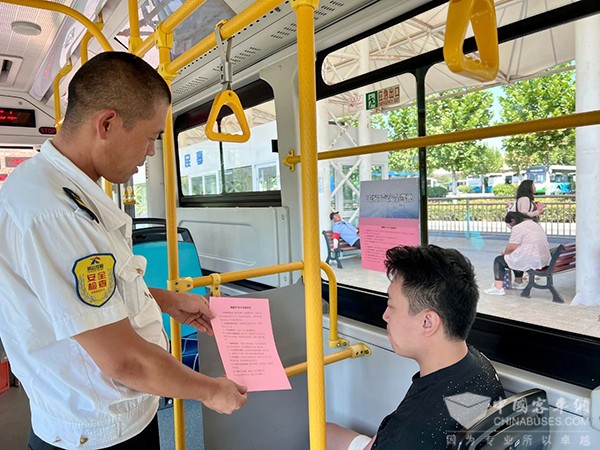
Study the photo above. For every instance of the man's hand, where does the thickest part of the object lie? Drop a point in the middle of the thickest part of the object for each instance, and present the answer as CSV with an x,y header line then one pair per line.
x,y
189,309
227,396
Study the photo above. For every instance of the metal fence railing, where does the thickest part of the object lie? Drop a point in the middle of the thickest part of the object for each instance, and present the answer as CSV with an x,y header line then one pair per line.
x,y
485,214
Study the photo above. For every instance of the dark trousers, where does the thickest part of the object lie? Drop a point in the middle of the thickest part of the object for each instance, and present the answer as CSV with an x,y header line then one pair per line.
x,y
500,266
146,440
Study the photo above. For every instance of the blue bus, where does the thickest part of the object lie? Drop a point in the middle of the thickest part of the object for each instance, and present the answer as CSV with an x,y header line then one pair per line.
x,y
553,179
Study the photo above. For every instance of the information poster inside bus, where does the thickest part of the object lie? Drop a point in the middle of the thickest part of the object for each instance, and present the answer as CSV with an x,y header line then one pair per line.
x,y
389,216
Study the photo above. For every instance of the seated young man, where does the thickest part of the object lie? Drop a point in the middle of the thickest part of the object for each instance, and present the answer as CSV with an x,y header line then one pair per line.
x,y
432,302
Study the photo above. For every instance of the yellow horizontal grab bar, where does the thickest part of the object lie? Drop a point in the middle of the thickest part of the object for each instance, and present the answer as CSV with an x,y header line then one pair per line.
x,y
532,126
248,273
482,15
354,351
231,99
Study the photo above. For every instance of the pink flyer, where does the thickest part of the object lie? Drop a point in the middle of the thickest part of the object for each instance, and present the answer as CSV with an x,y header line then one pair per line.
x,y
244,335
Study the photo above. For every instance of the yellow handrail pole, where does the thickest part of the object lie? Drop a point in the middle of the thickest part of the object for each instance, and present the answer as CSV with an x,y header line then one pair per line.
x,y
305,10
553,123
247,273
334,340
220,278
169,24
232,26
354,351
51,6
134,26
83,46
164,43
59,76
108,188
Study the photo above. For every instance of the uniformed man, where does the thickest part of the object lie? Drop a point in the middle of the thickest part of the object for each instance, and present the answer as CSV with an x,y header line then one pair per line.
x,y
81,329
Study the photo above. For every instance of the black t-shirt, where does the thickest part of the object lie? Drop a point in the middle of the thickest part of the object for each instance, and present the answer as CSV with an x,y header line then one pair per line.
x,y
423,420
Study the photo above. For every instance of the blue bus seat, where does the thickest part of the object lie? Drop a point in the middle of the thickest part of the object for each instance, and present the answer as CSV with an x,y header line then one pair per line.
x,y
151,244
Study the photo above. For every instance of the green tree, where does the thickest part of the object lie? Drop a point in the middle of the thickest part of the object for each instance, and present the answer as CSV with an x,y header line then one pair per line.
x,y
539,98
401,124
460,112
446,112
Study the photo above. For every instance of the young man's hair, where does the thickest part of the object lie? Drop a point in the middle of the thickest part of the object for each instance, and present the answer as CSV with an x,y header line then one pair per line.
x,y
119,81
525,189
439,279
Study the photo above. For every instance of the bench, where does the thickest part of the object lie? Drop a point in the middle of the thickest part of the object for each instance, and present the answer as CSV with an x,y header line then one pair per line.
x,y
344,249
563,259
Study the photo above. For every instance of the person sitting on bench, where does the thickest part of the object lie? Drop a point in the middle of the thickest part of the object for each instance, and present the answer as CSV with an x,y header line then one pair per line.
x,y
527,249
345,230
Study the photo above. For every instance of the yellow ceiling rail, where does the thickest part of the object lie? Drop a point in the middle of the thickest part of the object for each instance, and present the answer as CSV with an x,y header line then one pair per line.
x,y
354,351
226,97
553,123
233,25
167,26
59,76
57,7
482,15
83,46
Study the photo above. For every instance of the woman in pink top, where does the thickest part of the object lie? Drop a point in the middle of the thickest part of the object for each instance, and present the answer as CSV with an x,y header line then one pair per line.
x,y
527,249
525,202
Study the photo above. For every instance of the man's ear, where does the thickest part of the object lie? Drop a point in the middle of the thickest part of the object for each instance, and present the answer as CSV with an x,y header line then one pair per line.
x,y
431,322
105,122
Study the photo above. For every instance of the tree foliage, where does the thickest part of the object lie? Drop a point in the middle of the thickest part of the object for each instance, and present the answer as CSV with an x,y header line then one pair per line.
x,y
539,98
446,112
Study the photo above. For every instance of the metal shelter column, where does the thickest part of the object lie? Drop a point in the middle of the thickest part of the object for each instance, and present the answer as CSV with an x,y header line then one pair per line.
x,y
588,163
420,75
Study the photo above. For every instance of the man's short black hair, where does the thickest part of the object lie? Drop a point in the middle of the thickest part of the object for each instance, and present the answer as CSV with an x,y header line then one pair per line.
x,y
436,278
115,80
333,214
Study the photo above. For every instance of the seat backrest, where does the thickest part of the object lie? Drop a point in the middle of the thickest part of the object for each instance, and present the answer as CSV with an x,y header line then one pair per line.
x,y
155,252
520,421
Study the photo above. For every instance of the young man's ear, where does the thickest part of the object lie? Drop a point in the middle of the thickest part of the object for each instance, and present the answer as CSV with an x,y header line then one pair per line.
x,y
431,322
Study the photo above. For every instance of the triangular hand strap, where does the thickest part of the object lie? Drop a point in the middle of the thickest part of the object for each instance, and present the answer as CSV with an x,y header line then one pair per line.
x,y
229,98
482,15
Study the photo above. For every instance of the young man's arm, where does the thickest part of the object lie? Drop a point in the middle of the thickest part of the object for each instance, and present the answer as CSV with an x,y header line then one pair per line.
x,y
340,438
125,356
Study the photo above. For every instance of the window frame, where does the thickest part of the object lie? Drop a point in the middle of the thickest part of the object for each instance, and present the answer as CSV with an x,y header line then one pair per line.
x,y
252,94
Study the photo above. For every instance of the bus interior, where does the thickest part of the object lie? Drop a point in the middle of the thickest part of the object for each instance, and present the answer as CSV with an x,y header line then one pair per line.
x,y
351,91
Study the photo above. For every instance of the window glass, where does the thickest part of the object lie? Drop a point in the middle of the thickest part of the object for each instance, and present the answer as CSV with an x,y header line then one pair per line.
x,y
470,185
11,158
424,33
214,168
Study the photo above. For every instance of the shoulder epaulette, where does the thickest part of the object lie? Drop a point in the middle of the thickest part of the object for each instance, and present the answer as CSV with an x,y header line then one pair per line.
x,y
77,199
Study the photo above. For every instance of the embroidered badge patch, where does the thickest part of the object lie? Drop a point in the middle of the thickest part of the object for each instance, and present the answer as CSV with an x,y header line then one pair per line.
x,y
95,278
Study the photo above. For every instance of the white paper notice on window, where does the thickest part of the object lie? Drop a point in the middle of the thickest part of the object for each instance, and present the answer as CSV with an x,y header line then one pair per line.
x,y
244,336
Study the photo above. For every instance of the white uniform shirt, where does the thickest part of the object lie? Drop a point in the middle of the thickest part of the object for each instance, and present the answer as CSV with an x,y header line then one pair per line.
x,y
44,233
533,251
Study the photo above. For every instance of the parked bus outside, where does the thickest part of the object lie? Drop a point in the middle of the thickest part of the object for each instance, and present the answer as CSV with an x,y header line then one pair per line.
x,y
553,179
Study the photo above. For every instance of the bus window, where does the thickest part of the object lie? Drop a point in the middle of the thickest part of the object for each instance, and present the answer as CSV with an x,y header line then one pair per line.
x,y
210,169
11,158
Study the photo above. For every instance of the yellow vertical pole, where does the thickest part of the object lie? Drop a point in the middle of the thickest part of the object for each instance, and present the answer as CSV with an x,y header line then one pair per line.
x,y
134,26
310,222
164,43
59,76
